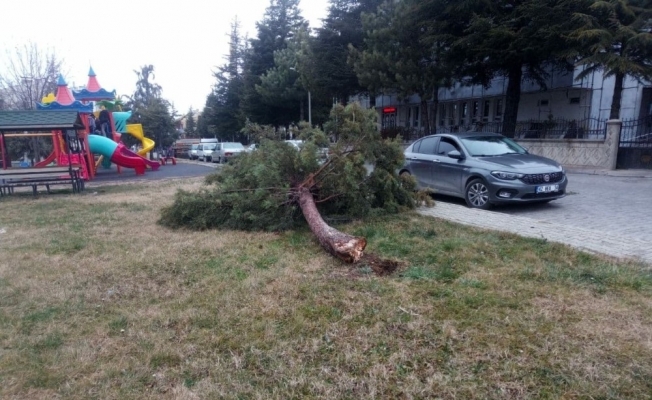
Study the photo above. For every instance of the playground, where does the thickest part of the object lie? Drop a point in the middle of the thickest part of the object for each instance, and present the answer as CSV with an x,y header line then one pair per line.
x,y
88,151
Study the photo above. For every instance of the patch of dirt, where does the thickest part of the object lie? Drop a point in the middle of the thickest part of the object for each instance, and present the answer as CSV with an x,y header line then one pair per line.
x,y
380,266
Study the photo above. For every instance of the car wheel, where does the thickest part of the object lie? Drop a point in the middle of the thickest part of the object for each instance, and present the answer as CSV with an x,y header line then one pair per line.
x,y
209,159
222,160
477,195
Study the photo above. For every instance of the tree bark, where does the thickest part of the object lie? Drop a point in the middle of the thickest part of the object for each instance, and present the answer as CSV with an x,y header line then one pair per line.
x,y
512,98
425,118
341,245
617,98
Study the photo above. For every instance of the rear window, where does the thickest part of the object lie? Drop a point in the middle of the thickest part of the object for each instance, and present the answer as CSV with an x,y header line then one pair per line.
x,y
194,147
233,146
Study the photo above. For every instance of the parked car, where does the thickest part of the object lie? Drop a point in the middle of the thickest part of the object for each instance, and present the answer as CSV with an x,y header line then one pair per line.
x,y
192,153
251,147
205,151
227,150
484,169
297,144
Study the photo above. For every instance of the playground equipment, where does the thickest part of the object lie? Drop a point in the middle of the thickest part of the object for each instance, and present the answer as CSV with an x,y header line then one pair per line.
x,y
119,154
135,130
110,151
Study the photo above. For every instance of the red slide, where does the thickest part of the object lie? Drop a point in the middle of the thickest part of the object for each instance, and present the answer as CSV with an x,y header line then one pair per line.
x,y
124,157
47,161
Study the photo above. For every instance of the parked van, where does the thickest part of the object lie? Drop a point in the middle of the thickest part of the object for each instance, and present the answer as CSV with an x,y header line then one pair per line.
x,y
192,153
205,151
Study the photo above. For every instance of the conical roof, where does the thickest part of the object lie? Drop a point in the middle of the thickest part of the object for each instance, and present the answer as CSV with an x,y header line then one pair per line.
x,y
93,85
64,95
93,90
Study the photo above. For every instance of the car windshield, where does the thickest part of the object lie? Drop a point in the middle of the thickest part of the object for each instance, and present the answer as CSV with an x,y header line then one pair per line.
x,y
233,146
194,147
488,146
209,147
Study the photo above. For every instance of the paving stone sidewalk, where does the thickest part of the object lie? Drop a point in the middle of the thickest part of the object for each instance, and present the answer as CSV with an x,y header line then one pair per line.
x,y
603,242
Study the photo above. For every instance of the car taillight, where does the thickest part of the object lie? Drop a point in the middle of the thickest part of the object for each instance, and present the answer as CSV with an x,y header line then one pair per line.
x,y
228,154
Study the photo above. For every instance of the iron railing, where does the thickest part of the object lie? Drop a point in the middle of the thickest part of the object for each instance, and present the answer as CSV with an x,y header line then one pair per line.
x,y
636,132
558,128
587,129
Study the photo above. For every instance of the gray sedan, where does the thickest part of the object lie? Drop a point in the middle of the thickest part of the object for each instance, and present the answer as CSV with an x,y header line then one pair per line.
x,y
484,169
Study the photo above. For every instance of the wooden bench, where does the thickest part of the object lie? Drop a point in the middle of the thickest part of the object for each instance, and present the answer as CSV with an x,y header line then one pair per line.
x,y
34,177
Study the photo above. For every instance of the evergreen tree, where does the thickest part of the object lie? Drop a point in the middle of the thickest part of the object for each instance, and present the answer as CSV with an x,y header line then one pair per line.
x,y
278,187
341,28
519,39
395,59
615,36
191,128
223,116
281,21
151,110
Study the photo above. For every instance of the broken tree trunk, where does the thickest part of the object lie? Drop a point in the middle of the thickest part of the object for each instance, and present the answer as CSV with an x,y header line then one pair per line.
x,y
342,245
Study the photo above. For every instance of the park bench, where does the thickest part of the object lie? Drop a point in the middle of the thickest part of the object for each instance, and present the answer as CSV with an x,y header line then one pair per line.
x,y
34,177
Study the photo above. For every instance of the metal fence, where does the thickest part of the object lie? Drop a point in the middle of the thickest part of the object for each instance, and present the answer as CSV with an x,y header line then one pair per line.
x,y
635,147
636,132
588,129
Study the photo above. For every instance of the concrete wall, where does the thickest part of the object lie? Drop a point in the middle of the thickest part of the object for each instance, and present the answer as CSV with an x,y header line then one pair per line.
x,y
599,154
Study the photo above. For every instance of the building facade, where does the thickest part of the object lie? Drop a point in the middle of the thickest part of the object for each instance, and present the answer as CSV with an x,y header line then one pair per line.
x,y
463,108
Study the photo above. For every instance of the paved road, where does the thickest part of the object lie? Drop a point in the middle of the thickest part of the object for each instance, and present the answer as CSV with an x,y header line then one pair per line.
x,y
610,214
183,169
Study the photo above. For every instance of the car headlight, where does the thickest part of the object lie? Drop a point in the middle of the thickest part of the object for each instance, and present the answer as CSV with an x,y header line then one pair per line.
x,y
507,176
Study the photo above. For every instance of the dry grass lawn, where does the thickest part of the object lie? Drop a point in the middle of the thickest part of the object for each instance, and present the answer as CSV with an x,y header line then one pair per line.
x,y
99,302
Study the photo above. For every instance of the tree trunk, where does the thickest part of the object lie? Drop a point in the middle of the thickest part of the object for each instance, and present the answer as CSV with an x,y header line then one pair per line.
x,y
342,245
512,99
435,110
301,118
425,118
618,94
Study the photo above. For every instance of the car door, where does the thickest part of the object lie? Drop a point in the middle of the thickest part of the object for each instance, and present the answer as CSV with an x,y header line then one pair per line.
x,y
421,161
448,172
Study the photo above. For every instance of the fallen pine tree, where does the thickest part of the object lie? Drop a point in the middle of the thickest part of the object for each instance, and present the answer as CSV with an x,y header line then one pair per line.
x,y
279,187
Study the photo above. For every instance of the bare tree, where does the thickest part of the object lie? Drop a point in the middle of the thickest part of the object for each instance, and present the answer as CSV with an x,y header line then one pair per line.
x,y
28,74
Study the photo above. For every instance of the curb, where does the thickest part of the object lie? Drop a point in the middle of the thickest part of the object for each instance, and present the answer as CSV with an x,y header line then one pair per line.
x,y
621,173
622,247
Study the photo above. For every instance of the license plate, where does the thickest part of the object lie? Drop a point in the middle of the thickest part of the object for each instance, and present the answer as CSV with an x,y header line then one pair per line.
x,y
547,189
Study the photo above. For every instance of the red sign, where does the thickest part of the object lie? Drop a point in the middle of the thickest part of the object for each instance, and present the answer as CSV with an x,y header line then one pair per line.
x,y
388,110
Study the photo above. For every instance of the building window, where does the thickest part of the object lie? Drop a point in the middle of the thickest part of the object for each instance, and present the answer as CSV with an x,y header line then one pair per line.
x,y
499,109
464,112
543,103
452,112
486,110
476,110
408,121
442,114
416,117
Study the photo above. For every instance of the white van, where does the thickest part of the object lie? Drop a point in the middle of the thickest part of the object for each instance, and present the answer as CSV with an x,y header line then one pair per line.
x,y
192,153
205,151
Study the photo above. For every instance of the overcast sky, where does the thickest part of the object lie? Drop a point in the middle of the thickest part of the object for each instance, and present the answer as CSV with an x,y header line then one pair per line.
x,y
184,40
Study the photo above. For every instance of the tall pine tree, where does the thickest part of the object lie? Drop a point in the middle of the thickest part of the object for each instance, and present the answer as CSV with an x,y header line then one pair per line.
x,y
281,20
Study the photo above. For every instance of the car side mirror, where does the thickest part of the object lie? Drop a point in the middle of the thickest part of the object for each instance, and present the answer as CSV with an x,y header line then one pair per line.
x,y
456,155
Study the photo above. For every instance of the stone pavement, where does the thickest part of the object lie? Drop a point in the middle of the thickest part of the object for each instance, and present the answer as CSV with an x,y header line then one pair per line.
x,y
592,240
